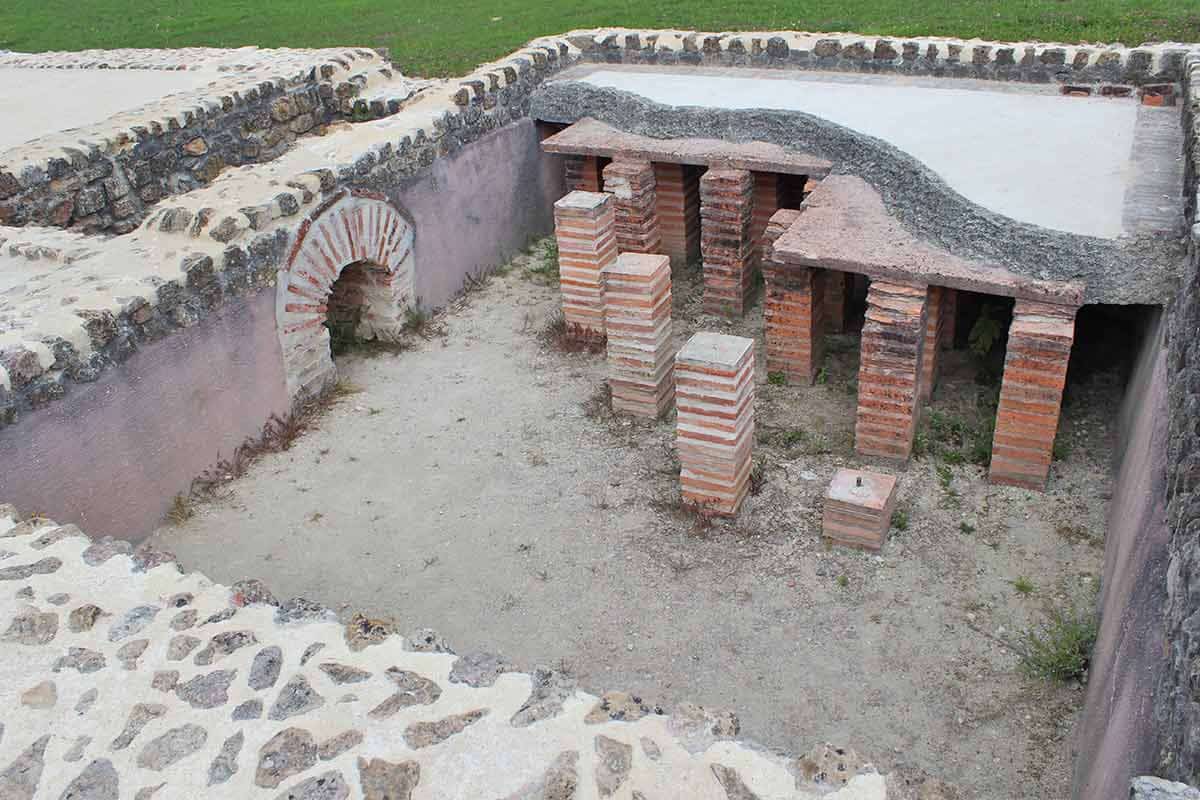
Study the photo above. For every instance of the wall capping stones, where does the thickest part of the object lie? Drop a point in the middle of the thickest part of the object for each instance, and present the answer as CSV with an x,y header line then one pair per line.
x,y
1034,62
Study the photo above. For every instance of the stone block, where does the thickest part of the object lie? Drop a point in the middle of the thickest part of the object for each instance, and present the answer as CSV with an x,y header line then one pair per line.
x,y
858,508
714,393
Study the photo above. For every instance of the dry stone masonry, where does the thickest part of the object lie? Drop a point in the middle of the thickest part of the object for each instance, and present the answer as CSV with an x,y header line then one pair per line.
x,y
284,701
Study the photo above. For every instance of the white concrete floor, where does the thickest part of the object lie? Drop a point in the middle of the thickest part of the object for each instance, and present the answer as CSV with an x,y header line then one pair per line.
x,y
35,102
1026,152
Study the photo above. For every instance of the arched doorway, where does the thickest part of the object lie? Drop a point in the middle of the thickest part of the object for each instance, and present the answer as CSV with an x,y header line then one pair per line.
x,y
352,265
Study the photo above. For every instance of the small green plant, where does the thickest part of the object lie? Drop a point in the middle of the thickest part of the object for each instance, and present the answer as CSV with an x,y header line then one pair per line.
x,y
545,270
416,319
954,457
1023,585
1062,449
986,331
945,476
843,581
822,376
1060,647
758,478
900,519
777,378
966,528
920,444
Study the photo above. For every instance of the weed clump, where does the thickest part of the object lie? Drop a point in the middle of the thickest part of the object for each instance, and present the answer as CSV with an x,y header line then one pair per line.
x,y
900,519
1059,648
571,337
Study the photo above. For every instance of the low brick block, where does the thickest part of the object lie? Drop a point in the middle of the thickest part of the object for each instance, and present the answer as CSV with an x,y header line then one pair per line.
x,y
631,183
726,241
889,373
714,393
677,193
583,227
1035,373
637,309
858,508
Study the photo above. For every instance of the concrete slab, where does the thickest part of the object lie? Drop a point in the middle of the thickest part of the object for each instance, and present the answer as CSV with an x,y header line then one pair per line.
x,y
1024,151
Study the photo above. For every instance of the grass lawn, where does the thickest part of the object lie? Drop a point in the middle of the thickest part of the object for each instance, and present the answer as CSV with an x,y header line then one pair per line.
x,y
436,37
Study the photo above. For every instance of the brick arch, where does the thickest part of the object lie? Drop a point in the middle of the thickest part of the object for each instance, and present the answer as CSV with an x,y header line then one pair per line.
x,y
349,229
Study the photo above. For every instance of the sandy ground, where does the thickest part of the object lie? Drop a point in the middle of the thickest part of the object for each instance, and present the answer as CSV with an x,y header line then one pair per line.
x,y
476,485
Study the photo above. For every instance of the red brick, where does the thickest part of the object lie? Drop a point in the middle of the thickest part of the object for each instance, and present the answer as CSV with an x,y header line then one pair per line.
x,y
893,341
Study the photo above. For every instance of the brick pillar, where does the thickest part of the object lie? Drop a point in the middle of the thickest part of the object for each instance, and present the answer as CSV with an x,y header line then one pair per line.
x,y
793,311
766,203
949,317
631,183
1035,373
714,392
935,321
836,290
583,226
889,374
637,319
677,189
582,173
726,213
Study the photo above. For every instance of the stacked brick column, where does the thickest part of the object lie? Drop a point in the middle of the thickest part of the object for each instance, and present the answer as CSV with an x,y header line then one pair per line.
x,y
582,173
836,289
935,321
889,374
637,317
677,189
726,213
949,317
583,226
766,203
631,183
793,312
714,392
1035,373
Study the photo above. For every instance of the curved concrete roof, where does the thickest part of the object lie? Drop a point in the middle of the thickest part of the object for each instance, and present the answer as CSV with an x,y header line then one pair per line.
x,y
1026,152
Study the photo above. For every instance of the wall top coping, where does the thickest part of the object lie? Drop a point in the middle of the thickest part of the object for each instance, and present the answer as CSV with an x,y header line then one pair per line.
x,y
590,137
844,226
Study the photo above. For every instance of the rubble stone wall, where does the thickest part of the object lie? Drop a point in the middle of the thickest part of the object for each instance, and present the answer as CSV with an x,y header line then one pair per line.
x,y
1034,62
106,179
1178,699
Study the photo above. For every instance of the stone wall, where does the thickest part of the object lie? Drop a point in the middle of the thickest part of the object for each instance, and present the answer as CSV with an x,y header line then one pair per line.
x,y
1178,701
1036,62
107,177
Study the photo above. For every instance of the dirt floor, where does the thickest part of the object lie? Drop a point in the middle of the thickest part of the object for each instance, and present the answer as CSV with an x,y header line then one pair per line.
x,y
478,484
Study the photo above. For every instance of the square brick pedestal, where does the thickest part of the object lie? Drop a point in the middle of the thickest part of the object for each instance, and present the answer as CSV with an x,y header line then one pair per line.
x,y
583,227
637,315
726,243
714,392
677,191
631,183
858,508
1035,373
889,374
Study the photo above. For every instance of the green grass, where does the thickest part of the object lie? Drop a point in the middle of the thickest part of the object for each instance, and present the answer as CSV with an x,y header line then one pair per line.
x,y
429,37
1060,647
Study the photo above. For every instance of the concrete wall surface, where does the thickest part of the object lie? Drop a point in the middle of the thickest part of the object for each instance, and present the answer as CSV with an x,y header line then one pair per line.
x,y
1118,737
112,454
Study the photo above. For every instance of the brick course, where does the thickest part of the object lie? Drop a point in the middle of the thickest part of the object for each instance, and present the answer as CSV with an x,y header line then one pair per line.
x,y
1035,373
584,227
889,375
631,183
637,319
726,213
714,392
